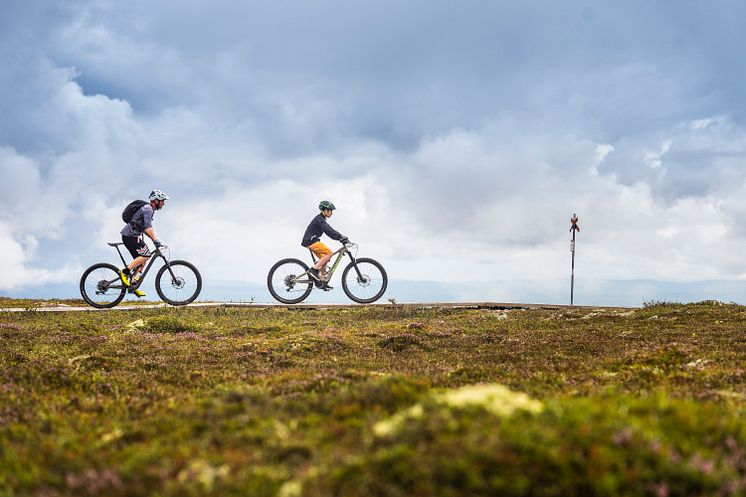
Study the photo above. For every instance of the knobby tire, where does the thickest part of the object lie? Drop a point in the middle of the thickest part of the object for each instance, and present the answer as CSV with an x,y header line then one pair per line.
x,y
178,265
89,300
361,262
305,293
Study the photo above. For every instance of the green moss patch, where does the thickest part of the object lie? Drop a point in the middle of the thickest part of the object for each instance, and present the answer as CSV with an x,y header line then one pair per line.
x,y
268,402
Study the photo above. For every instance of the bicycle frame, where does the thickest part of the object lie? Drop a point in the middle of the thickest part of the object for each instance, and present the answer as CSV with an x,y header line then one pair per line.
x,y
340,254
156,254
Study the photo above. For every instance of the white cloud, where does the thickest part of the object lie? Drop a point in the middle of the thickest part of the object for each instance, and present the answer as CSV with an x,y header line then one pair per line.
x,y
450,160
17,256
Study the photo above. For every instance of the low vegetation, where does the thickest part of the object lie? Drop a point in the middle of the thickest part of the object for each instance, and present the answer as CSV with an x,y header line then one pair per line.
x,y
390,401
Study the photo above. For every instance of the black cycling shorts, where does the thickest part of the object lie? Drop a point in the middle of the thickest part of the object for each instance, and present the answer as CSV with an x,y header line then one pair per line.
x,y
136,246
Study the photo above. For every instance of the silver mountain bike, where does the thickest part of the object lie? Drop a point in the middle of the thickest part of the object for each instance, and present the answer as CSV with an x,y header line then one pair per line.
x,y
364,280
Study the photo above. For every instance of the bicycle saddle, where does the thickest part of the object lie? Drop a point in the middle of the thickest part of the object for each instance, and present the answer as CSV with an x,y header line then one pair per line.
x,y
114,244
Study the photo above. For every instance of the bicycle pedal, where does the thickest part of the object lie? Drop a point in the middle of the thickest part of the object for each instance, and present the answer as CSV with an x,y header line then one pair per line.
x,y
327,288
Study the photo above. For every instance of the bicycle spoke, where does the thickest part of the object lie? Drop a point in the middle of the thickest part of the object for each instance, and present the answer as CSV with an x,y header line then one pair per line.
x,y
367,286
179,285
101,286
288,281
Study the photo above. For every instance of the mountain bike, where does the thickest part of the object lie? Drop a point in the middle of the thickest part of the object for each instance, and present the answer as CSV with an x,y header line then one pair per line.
x,y
177,282
363,280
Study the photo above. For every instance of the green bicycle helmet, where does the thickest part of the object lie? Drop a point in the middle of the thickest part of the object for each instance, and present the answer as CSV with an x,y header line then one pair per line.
x,y
325,205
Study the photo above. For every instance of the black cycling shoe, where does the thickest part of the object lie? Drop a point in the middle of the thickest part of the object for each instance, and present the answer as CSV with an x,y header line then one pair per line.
x,y
326,287
314,273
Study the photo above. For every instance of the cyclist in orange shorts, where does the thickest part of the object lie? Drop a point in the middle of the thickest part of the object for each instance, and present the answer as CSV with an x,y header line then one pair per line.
x,y
316,228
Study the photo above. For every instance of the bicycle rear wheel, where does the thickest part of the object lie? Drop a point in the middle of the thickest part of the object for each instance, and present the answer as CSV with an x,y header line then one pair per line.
x,y
183,287
287,282
367,287
101,286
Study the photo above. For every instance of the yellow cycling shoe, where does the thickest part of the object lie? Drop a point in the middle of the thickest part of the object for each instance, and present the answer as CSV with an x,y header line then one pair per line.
x,y
124,278
138,292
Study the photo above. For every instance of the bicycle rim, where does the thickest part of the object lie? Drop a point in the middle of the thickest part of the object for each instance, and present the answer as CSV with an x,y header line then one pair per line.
x,y
370,287
287,283
101,286
181,288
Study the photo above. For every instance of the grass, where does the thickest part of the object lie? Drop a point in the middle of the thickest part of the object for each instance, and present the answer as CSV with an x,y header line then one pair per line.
x,y
8,303
265,402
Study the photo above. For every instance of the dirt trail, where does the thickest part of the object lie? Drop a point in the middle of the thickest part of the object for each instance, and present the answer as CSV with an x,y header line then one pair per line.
x,y
457,305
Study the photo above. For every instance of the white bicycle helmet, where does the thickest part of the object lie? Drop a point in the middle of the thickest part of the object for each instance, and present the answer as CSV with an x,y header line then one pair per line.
x,y
158,195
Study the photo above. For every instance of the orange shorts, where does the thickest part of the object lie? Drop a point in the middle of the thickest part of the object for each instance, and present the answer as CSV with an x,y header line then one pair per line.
x,y
319,249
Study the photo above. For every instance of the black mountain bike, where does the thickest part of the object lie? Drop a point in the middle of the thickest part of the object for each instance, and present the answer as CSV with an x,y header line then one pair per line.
x,y
363,280
177,282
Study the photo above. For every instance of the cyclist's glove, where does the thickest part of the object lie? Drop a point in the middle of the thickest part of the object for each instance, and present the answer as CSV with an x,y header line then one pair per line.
x,y
157,243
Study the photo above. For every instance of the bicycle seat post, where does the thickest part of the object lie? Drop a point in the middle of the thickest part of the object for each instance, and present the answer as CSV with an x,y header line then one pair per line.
x,y
120,255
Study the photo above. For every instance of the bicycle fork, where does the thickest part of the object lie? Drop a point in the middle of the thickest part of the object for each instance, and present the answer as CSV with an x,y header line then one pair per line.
x,y
357,269
174,279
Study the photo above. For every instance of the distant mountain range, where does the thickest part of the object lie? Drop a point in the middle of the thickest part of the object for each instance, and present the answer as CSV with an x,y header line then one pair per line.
x,y
587,292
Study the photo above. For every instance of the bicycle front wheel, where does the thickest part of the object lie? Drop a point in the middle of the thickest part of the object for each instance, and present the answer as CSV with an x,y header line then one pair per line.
x,y
288,282
180,285
101,286
367,286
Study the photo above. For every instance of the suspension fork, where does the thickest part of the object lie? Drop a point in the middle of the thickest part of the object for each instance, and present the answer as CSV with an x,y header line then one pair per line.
x,y
354,264
168,266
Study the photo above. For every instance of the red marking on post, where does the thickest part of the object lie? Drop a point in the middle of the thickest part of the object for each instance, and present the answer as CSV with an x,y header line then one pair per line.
x,y
574,223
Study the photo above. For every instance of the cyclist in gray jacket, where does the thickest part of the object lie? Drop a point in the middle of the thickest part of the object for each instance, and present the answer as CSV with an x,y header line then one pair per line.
x,y
132,237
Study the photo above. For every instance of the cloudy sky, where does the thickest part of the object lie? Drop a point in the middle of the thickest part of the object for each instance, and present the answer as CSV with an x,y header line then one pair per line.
x,y
455,138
